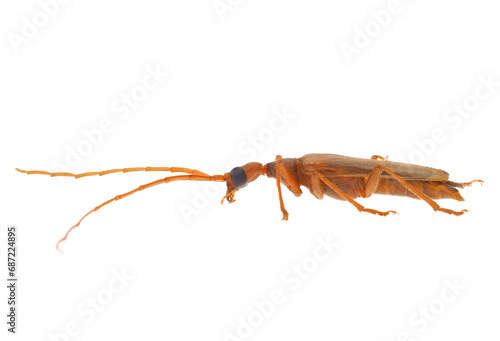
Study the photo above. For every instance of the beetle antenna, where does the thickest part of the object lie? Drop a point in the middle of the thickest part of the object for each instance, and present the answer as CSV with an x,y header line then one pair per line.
x,y
191,177
120,170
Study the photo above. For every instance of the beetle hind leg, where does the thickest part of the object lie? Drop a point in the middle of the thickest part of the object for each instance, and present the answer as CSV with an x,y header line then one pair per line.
x,y
374,179
463,184
378,157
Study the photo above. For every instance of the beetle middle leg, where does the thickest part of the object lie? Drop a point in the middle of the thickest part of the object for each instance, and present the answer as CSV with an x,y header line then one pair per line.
x,y
289,180
344,196
374,179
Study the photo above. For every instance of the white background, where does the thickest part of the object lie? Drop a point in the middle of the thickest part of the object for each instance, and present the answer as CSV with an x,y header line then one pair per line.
x,y
197,278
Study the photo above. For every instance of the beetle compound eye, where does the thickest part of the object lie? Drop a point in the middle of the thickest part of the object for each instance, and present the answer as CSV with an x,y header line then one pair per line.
x,y
238,176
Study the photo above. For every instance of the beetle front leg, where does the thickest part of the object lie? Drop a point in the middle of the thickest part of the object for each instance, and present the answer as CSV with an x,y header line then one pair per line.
x,y
289,180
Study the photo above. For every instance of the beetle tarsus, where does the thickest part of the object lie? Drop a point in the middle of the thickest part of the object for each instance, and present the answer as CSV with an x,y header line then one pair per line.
x,y
285,214
446,210
471,182
372,211
378,157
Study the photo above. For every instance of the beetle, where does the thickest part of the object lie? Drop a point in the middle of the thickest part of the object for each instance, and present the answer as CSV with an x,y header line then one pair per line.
x,y
337,176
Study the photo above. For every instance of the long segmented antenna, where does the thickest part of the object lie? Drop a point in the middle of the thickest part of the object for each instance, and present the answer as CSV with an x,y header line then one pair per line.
x,y
120,170
194,175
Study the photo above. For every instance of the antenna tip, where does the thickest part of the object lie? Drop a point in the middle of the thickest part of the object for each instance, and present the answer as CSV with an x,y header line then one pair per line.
x,y
58,249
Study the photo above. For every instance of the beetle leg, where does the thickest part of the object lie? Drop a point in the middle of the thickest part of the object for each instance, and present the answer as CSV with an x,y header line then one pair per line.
x,y
278,183
282,173
344,196
470,183
316,189
378,157
374,178
372,182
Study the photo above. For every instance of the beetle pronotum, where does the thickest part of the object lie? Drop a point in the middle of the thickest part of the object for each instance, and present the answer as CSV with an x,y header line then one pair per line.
x,y
339,177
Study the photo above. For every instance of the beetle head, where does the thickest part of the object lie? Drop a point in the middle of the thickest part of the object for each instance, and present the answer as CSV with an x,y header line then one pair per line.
x,y
239,177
